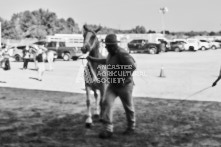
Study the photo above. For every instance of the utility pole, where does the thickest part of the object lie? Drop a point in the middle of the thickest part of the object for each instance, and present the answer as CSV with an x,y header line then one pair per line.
x,y
163,11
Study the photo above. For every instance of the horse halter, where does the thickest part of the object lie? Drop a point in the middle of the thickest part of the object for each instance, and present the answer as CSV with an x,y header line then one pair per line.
x,y
90,44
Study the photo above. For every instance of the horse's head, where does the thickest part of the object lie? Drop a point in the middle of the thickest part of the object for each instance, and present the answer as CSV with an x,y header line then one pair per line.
x,y
90,39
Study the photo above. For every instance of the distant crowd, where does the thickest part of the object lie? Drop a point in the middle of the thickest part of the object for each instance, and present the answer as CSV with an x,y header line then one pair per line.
x,y
36,52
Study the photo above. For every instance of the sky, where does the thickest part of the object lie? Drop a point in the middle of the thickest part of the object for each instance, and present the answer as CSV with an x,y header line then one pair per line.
x,y
183,15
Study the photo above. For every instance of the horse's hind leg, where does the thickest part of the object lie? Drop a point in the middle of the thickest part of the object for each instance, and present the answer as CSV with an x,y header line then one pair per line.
x,y
88,101
97,100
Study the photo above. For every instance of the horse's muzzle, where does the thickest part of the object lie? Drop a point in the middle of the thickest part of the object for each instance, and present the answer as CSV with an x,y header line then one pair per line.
x,y
85,49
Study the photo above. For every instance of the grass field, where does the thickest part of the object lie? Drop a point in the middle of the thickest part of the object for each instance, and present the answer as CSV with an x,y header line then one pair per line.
x,y
42,121
52,113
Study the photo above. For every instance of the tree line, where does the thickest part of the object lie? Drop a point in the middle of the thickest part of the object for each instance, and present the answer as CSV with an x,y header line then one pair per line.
x,y
36,24
40,23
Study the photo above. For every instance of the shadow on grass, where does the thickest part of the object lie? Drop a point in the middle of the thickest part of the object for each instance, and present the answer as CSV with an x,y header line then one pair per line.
x,y
160,122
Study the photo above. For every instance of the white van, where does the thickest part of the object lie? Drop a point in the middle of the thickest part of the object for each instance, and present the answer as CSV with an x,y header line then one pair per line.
x,y
71,40
190,44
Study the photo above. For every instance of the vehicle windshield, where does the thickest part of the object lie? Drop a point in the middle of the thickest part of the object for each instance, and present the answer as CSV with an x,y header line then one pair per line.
x,y
203,41
52,44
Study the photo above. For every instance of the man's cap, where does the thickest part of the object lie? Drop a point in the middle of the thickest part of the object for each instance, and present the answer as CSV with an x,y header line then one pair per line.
x,y
111,39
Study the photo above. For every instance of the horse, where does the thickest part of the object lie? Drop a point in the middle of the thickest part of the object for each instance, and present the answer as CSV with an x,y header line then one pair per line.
x,y
91,45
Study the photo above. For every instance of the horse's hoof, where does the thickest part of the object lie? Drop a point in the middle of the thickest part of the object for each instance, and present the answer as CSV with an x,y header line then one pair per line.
x,y
88,125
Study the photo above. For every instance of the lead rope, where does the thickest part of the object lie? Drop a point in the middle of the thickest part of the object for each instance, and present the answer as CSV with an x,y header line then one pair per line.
x,y
89,66
189,96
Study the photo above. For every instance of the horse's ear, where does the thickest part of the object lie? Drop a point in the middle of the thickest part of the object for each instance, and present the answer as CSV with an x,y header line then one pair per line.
x,y
98,29
85,27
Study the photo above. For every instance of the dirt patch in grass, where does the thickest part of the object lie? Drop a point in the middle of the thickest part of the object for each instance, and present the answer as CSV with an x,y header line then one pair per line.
x,y
31,118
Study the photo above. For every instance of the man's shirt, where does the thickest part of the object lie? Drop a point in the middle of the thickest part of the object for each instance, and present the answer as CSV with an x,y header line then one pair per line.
x,y
120,67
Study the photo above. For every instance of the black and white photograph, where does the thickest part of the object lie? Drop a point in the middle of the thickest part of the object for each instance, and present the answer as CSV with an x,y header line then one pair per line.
x,y
101,73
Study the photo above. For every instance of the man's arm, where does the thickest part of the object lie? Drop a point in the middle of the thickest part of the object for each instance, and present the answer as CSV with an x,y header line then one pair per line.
x,y
98,60
127,59
217,80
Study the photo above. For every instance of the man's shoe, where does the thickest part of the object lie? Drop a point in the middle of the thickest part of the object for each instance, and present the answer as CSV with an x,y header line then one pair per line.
x,y
129,132
105,135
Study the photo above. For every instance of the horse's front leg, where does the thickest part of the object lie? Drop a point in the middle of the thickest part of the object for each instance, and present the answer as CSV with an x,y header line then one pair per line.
x,y
89,121
97,97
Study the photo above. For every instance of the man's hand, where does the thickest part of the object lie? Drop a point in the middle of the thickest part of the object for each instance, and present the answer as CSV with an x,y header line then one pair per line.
x,y
214,84
88,58
84,56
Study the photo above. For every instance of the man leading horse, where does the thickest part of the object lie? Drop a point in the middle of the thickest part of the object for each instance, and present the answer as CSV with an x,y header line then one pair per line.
x,y
120,66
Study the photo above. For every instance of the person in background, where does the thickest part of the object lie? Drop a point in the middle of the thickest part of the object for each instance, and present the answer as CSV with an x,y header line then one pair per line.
x,y
26,57
2,58
41,58
217,80
6,60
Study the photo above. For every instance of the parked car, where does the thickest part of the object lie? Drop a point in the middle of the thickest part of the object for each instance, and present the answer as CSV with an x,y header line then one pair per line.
x,y
214,45
143,46
18,53
176,46
190,44
218,41
193,44
204,44
64,52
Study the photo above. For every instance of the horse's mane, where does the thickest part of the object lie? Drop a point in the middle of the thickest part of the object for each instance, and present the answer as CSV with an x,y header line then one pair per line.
x,y
96,51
